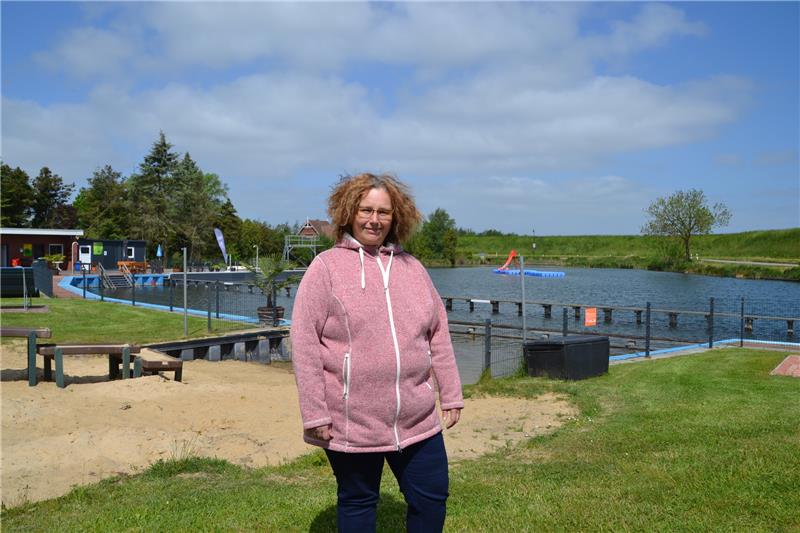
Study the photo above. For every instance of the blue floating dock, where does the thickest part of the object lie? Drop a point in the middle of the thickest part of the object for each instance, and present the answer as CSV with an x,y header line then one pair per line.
x,y
534,273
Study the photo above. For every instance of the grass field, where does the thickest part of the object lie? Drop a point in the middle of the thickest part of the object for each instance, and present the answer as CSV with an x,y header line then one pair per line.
x,y
77,320
636,251
706,442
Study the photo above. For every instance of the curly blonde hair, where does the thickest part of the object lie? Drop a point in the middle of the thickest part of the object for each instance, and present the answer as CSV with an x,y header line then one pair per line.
x,y
348,192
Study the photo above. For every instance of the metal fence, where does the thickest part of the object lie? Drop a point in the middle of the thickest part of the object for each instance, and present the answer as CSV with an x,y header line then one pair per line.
x,y
636,331
224,306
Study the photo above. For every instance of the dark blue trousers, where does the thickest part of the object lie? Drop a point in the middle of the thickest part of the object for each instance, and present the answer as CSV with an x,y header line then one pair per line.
x,y
421,472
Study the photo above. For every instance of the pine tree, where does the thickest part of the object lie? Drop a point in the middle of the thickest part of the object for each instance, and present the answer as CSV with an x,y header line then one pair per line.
x,y
151,193
50,194
16,197
102,206
200,197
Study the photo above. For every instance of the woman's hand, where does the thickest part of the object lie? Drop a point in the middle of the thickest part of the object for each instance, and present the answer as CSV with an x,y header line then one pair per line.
x,y
451,417
319,432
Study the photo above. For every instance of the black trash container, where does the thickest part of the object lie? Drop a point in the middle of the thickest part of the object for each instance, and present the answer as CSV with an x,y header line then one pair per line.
x,y
570,357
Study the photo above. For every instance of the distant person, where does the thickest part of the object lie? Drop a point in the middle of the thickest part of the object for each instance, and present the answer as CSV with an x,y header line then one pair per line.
x,y
370,341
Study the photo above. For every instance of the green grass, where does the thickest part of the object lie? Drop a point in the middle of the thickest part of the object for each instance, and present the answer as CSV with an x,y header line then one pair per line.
x,y
77,320
707,442
636,251
771,245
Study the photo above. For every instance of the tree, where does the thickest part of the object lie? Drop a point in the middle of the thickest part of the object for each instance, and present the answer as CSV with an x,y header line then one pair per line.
x,y
16,197
268,275
64,217
199,199
683,215
439,235
50,194
449,245
102,206
256,233
151,192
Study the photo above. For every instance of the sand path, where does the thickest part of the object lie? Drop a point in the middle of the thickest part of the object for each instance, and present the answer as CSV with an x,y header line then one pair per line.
x,y
247,413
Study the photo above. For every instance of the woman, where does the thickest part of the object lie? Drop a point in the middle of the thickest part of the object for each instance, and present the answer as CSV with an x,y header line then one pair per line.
x,y
369,337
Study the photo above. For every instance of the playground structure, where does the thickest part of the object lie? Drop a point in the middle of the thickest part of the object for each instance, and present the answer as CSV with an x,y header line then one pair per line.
x,y
514,258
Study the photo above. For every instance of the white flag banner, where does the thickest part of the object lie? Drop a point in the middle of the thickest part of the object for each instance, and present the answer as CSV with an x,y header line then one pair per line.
x,y
221,241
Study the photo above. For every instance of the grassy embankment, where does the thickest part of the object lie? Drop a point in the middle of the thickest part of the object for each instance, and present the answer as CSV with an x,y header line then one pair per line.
x,y
635,251
77,320
707,442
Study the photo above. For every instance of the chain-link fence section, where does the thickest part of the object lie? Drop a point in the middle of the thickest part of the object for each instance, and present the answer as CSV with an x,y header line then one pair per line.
x,y
633,331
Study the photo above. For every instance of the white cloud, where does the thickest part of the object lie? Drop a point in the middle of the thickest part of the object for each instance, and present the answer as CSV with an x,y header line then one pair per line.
x,y
548,204
652,26
500,89
90,52
278,126
432,36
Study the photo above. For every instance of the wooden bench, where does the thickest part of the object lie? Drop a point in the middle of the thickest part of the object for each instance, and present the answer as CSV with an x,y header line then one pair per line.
x,y
118,354
151,362
32,334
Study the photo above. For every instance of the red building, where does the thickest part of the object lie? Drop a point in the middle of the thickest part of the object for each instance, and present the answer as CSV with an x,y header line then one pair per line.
x,y
315,228
22,246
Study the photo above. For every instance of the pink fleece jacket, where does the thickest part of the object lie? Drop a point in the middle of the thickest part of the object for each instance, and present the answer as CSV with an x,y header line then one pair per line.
x,y
369,336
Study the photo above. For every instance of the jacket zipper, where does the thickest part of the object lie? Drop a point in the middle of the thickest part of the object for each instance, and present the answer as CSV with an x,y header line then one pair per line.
x,y
385,275
346,377
346,397
430,370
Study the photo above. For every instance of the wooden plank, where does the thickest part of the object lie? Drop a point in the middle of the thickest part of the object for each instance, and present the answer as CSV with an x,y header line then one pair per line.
x,y
87,349
42,333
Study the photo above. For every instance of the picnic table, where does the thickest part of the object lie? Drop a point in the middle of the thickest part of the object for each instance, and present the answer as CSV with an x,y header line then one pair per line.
x,y
135,267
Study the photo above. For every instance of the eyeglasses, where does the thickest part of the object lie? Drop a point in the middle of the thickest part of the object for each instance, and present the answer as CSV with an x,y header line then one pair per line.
x,y
366,213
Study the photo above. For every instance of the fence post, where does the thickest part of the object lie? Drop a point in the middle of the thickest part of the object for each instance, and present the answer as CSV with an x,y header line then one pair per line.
x,y
216,289
647,330
126,362
102,290
32,358
171,292
208,300
487,345
741,325
565,323
84,281
711,322
133,291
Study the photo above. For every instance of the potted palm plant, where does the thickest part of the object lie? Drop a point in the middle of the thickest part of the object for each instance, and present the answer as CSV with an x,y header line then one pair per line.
x,y
268,275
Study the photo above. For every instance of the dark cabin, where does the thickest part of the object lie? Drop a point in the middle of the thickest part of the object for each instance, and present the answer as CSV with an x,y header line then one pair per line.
x,y
109,252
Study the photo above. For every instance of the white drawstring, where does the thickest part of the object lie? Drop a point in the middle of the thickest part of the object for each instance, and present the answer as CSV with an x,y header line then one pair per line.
x,y
385,273
361,256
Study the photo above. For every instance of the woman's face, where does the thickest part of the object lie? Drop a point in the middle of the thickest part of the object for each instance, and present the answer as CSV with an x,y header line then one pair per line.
x,y
373,218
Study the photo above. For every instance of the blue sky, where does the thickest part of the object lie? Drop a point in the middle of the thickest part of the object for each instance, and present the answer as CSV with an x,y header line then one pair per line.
x,y
563,118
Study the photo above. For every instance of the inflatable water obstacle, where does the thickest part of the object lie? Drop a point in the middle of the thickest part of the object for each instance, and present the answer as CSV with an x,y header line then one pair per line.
x,y
516,272
534,273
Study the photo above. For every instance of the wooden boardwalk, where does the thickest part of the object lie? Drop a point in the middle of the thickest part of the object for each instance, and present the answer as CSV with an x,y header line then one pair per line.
x,y
608,311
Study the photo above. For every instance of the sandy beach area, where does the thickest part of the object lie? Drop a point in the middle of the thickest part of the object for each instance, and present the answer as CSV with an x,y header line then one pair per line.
x,y
247,413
